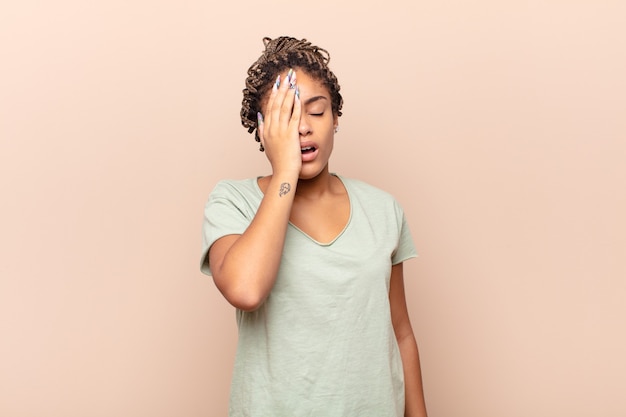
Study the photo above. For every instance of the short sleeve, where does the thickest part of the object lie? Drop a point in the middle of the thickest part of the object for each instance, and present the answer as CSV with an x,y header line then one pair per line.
x,y
405,249
224,214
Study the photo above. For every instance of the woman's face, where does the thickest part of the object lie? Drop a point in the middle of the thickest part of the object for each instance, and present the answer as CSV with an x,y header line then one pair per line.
x,y
317,125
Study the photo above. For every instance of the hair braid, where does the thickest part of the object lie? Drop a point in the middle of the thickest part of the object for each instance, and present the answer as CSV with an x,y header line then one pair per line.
x,y
280,54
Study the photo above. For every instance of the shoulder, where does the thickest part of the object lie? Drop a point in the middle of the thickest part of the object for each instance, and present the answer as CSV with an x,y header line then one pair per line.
x,y
372,199
363,189
243,195
233,188
233,198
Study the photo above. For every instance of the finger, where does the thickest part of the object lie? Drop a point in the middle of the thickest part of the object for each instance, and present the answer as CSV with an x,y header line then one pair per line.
x,y
286,108
279,91
270,103
297,109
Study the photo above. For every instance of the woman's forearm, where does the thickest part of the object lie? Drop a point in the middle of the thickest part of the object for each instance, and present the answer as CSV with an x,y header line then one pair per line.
x,y
246,272
415,405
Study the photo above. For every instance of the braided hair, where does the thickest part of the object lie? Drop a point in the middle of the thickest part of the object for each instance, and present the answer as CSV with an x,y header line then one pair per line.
x,y
280,54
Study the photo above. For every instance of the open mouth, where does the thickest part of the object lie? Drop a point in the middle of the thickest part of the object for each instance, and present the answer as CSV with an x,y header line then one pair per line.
x,y
307,149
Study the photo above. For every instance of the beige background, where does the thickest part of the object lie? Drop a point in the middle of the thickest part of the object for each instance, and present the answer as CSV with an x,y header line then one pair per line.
x,y
500,127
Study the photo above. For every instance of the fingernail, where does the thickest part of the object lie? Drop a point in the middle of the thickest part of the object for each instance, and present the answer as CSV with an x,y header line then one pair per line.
x,y
289,74
298,93
277,83
259,117
292,80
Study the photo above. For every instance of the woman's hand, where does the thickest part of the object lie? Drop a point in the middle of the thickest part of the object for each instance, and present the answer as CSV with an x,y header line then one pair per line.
x,y
245,266
278,128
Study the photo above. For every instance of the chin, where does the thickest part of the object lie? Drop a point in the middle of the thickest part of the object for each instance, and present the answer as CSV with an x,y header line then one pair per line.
x,y
311,172
306,177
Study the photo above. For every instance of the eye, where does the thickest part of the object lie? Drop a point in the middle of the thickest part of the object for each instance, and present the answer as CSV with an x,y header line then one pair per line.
x,y
317,114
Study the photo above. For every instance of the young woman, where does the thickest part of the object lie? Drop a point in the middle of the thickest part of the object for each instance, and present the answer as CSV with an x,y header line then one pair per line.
x,y
311,260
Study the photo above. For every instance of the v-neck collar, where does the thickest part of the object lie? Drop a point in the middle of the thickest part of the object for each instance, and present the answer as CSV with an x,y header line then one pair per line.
x,y
323,244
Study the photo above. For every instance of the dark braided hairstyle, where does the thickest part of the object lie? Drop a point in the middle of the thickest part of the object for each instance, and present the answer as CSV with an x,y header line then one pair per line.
x,y
280,54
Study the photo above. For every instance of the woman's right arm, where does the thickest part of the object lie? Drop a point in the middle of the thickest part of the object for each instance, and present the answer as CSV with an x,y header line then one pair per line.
x,y
244,267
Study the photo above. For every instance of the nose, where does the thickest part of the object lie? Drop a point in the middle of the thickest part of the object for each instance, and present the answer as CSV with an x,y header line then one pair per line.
x,y
304,128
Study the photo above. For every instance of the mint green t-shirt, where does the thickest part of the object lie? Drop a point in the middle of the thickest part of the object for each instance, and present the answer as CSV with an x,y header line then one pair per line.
x,y
322,344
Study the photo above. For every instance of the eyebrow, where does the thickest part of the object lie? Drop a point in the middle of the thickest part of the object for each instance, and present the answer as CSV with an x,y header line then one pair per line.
x,y
313,99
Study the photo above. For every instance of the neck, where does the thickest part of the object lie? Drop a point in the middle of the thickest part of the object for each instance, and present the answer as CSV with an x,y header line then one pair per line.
x,y
316,186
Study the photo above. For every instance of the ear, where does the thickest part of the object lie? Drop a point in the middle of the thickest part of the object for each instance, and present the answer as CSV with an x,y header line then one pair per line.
x,y
258,134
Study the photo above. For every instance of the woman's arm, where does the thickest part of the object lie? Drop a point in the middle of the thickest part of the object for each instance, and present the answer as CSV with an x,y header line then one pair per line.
x,y
415,405
244,267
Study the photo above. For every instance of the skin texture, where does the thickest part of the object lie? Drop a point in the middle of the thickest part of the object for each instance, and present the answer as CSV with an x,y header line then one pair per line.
x,y
301,191
415,405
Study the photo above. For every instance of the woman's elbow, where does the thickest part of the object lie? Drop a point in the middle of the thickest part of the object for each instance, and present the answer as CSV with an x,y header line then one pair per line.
x,y
247,303
243,298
